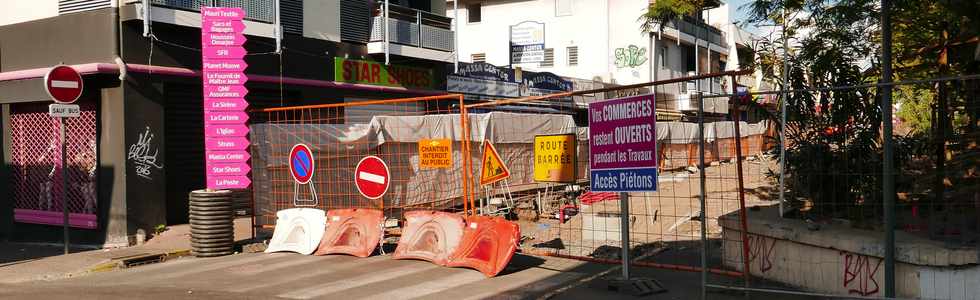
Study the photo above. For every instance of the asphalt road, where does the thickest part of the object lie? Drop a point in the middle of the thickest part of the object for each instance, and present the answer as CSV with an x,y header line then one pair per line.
x,y
294,276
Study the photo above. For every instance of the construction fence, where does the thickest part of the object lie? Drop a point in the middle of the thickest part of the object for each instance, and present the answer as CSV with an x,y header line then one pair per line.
x,y
725,205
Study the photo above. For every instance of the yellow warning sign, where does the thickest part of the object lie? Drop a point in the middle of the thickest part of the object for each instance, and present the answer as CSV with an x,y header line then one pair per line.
x,y
554,158
493,168
435,154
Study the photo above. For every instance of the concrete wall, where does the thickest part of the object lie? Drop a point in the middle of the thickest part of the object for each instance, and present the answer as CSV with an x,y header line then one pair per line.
x,y
837,259
76,38
16,11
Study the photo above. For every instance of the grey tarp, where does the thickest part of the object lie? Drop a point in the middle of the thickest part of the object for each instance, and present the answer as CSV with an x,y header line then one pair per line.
x,y
338,148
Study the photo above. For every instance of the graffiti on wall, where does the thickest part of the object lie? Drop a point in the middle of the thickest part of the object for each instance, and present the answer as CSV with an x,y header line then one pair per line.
x,y
144,156
761,249
630,56
859,274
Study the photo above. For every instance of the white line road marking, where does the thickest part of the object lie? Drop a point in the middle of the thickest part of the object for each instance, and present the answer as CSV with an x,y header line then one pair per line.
x,y
357,281
372,177
432,286
341,266
208,265
64,84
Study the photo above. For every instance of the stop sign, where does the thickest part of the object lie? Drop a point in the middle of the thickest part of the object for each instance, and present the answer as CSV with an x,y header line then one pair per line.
x,y
372,177
63,84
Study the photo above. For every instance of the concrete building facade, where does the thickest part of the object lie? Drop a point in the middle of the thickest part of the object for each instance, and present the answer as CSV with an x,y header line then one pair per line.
x,y
603,41
138,148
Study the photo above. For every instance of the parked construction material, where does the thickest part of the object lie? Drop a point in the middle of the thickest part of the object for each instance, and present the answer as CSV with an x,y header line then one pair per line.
x,y
430,235
487,245
212,222
298,230
355,231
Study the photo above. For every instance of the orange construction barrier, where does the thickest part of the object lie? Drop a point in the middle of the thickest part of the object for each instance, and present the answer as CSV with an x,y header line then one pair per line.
x,y
355,231
487,245
429,235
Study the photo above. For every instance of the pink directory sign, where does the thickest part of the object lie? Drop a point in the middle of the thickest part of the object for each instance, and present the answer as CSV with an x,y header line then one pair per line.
x,y
223,65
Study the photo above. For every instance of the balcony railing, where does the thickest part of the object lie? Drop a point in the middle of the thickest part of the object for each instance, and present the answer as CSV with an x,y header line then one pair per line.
x,y
255,10
413,27
699,29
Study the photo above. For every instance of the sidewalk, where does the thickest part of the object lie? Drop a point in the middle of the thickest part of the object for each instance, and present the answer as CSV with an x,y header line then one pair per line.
x,y
22,262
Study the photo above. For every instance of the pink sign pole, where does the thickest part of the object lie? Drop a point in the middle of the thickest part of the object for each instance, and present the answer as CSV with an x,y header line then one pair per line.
x,y
223,65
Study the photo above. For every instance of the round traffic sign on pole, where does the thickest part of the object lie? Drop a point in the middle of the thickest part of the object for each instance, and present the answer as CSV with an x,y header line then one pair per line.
x,y
63,83
372,177
301,163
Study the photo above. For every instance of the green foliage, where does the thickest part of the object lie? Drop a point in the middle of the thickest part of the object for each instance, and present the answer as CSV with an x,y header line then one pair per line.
x,y
916,109
834,153
159,229
663,11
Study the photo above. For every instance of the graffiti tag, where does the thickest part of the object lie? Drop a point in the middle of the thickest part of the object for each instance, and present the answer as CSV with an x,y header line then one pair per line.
x,y
631,56
140,154
859,275
760,250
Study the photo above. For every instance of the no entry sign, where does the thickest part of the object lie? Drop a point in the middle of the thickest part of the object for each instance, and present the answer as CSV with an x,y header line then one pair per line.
x,y
372,177
63,84
301,163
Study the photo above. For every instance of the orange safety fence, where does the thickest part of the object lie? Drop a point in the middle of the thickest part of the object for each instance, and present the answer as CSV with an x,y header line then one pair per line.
x,y
340,135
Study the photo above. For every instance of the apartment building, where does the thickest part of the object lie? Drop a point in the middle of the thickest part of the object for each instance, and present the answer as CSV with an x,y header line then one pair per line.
x,y
603,41
137,149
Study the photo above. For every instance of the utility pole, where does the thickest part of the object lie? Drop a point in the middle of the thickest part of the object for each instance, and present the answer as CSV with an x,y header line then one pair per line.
x,y
888,181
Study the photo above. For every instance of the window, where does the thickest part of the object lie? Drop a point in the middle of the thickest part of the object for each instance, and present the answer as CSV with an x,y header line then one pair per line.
x,y
478,57
663,57
474,12
573,56
690,61
549,57
563,8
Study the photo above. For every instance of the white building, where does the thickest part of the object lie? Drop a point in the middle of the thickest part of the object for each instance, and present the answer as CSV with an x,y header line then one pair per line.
x,y
602,40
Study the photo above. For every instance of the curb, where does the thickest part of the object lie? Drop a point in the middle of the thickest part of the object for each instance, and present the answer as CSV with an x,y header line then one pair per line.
x,y
137,260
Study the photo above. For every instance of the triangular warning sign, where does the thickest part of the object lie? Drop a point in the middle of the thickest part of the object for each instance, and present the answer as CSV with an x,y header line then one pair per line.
x,y
493,168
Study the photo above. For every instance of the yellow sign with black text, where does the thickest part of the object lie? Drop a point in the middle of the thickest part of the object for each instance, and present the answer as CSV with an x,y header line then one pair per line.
x,y
435,154
493,168
554,158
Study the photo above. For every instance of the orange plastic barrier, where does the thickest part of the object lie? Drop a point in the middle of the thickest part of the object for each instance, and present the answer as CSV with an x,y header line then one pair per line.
x,y
429,235
355,231
487,245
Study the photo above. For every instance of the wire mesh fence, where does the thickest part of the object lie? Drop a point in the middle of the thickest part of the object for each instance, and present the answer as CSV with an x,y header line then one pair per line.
x,y
828,237
339,136
724,204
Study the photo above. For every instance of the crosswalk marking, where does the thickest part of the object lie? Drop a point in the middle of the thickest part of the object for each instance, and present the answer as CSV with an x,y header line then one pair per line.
x,y
282,265
433,286
357,281
334,267
206,267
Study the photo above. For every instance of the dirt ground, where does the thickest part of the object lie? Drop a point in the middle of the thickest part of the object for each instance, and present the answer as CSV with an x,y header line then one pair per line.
x,y
666,218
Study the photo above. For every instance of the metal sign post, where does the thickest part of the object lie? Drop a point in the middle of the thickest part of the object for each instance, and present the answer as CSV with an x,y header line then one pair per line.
x,y
64,84
63,111
611,170
624,228
64,183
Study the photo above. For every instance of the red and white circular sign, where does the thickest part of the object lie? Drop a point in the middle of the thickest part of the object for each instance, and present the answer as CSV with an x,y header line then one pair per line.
x,y
372,177
63,84
301,163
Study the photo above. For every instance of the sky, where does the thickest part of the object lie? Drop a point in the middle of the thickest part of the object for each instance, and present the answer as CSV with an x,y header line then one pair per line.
x,y
740,15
